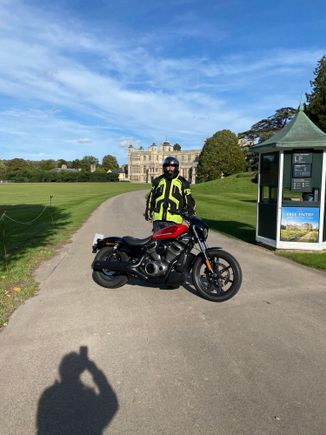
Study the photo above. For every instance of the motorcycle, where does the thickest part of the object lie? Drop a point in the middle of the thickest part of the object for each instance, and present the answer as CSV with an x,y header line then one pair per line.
x,y
166,258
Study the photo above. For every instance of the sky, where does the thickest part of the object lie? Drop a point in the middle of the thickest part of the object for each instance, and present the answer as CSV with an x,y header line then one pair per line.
x,y
84,77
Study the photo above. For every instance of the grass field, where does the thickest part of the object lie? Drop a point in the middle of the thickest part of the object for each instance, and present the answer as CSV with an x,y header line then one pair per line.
x,y
229,206
47,213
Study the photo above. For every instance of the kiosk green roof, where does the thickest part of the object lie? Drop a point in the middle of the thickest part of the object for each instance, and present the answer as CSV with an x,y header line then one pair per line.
x,y
301,132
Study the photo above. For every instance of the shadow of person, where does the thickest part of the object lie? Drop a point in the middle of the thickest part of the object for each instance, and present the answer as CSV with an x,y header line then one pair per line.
x,y
71,407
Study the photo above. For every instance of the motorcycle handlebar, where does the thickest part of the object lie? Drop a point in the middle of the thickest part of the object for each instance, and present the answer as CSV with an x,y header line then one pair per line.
x,y
187,216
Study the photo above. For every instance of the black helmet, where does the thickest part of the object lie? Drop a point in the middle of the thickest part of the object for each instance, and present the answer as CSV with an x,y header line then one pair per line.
x,y
171,161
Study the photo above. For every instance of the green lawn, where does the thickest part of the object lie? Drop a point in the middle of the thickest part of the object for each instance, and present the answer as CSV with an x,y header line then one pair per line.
x,y
58,210
229,206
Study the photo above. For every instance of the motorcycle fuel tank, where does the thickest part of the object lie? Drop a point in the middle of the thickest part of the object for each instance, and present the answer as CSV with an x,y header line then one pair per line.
x,y
171,232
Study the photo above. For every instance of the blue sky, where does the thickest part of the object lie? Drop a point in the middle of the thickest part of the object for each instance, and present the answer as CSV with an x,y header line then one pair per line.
x,y
84,77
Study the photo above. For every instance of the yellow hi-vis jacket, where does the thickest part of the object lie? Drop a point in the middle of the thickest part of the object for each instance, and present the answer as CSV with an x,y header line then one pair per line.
x,y
168,199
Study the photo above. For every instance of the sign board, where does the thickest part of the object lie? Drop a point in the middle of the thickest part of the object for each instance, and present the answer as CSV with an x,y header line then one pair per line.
x,y
301,184
300,224
302,170
302,158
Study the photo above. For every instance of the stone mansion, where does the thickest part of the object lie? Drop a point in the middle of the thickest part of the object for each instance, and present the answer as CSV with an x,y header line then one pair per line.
x,y
144,166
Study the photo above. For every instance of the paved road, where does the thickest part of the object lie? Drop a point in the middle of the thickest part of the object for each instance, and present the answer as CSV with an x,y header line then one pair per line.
x,y
165,361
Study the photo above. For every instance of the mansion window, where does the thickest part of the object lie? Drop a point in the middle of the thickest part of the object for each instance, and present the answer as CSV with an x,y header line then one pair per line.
x,y
135,168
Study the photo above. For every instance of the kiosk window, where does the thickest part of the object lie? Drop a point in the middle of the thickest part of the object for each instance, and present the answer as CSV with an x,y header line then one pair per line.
x,y
268,194
269,169
290,195
269,177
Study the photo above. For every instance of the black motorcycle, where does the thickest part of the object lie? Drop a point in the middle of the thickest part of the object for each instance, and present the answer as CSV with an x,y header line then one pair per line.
x,y
166,258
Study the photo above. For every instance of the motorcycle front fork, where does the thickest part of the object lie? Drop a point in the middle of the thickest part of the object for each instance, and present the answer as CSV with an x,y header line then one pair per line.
x,y
203,247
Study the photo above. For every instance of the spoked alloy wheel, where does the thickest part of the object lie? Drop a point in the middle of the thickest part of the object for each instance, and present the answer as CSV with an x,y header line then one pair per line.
x,y
108,278
225,280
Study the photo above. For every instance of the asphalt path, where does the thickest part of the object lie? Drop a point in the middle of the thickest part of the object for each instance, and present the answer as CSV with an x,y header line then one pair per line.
x,y
81,359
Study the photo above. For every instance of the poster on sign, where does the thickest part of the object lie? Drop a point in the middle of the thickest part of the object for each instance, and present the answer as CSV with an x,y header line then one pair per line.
x,y
299,224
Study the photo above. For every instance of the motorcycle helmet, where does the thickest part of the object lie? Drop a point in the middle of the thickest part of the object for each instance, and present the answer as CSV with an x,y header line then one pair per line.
x,y
168,172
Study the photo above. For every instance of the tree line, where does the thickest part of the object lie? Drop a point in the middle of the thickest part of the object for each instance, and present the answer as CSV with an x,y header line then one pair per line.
x,y
223,154
86,169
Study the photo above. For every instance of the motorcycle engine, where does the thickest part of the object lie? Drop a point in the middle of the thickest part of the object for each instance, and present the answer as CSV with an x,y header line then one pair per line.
x,y
159,260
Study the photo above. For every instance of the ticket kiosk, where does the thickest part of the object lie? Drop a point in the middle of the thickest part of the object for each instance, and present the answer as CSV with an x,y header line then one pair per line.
x,y
291,193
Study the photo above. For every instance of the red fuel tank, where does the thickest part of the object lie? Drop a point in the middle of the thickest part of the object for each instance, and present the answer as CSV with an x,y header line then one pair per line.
x,y
171,232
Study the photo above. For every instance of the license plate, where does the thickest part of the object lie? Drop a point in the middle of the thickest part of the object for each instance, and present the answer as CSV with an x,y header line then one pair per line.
x,y
97,236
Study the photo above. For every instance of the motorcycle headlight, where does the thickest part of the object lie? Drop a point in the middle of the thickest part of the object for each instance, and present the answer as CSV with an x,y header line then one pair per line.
x,y
202,233
205,233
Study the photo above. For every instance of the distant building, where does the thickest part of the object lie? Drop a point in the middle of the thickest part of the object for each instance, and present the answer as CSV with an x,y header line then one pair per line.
x,y
122,174
245,143
64,168
144,166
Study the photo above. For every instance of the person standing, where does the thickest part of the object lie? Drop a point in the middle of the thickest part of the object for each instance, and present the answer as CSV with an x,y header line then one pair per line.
x,y
169,198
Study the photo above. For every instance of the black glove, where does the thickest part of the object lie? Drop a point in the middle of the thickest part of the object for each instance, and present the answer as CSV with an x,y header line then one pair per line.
x,y
147,218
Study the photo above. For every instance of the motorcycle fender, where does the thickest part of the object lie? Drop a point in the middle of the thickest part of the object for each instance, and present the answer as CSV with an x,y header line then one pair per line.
x,y
106,241
201,255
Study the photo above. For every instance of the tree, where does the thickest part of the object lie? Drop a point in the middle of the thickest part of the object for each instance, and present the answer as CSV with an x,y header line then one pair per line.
x,y
47,165
265,128
176,147
262,131
87,161
316,101
3,171
75,164
124,168
109,163
17,164
221,155
61,162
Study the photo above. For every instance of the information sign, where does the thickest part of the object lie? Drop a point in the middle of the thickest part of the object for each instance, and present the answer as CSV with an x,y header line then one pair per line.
x,y
302,158
302,170
301,184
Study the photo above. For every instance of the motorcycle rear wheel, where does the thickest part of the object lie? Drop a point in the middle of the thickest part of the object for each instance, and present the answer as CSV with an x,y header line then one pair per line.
x,y
228,276
107,278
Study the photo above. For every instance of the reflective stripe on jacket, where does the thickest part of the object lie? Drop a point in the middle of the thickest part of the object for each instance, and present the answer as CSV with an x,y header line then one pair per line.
x,y
168,198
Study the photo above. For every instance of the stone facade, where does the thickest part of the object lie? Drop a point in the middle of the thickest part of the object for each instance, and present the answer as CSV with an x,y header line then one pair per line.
x,y
144,166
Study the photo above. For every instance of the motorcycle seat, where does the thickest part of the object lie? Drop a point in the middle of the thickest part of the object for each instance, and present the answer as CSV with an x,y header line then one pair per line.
x,y
133,241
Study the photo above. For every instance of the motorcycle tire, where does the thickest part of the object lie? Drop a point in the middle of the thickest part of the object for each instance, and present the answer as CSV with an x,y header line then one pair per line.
x,y
228,280
107,278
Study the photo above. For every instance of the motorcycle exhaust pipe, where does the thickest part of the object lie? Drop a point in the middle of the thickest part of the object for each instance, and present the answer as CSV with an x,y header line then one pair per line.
x,y
118,266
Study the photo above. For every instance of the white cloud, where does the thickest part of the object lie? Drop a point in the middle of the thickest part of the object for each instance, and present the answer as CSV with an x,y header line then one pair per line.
x,y
83,140
107,91
45,133
125,142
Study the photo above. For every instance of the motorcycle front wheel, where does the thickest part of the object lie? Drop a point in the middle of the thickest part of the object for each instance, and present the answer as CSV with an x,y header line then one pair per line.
x,y
226,280
107,278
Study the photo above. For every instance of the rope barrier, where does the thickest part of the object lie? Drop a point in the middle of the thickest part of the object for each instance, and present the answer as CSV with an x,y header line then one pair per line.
x,y
4,215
